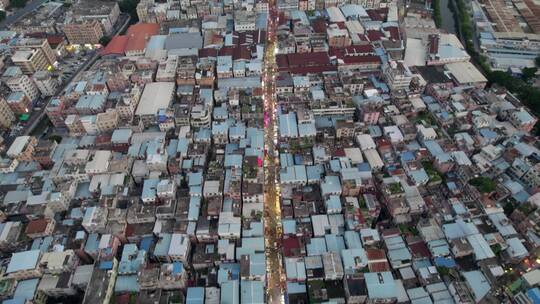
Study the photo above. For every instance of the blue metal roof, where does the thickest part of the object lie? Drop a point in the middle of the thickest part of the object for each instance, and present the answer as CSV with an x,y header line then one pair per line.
x,y
146,243
230,292
106,265
352,239
129,283
163,244
445,262
334,243
252,292
25,291
380,285
289,226
331,185
288,126
228,272
317,246
296,288
534,295
478,284
149,188
24,260
195,295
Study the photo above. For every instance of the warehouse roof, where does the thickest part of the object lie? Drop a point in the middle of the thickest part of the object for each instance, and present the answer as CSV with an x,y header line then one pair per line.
x,y
156,95
465,73
183,41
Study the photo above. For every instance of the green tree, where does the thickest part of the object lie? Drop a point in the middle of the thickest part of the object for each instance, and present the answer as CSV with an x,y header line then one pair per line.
x,y
443,271
509,208
437,13
104,40
483,184
130,7
2,15
529,73
497,249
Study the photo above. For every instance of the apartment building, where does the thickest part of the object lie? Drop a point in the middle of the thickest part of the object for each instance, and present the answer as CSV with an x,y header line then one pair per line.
x,y
55,112
397,75
105,12
19,102
84,32
46,85
40,228
30,61
6,114
22,148
24,84
338,37
106,122
74,124
40,44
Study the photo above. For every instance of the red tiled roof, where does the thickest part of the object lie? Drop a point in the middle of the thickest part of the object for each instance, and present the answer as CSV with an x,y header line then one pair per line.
x,y
281,61
135,39
305,63
319,25
117,46
339,152
378,14
362,37
391,232
357,49
37,226
419,249
383,143
375,254
241,52
433,44
55,39
103,139
290,246
138,34
312,70
251,37
374,35
208,52
145,28
122,299
361,59
136,42
308,59
379,267
226,51
394,32
130,230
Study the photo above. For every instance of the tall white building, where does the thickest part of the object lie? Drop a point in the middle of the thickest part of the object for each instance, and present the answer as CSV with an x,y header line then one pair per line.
x,y
397,75
45,83
24,84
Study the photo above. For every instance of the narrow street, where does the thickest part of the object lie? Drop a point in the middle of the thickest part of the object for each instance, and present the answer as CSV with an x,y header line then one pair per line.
x,y
272,209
